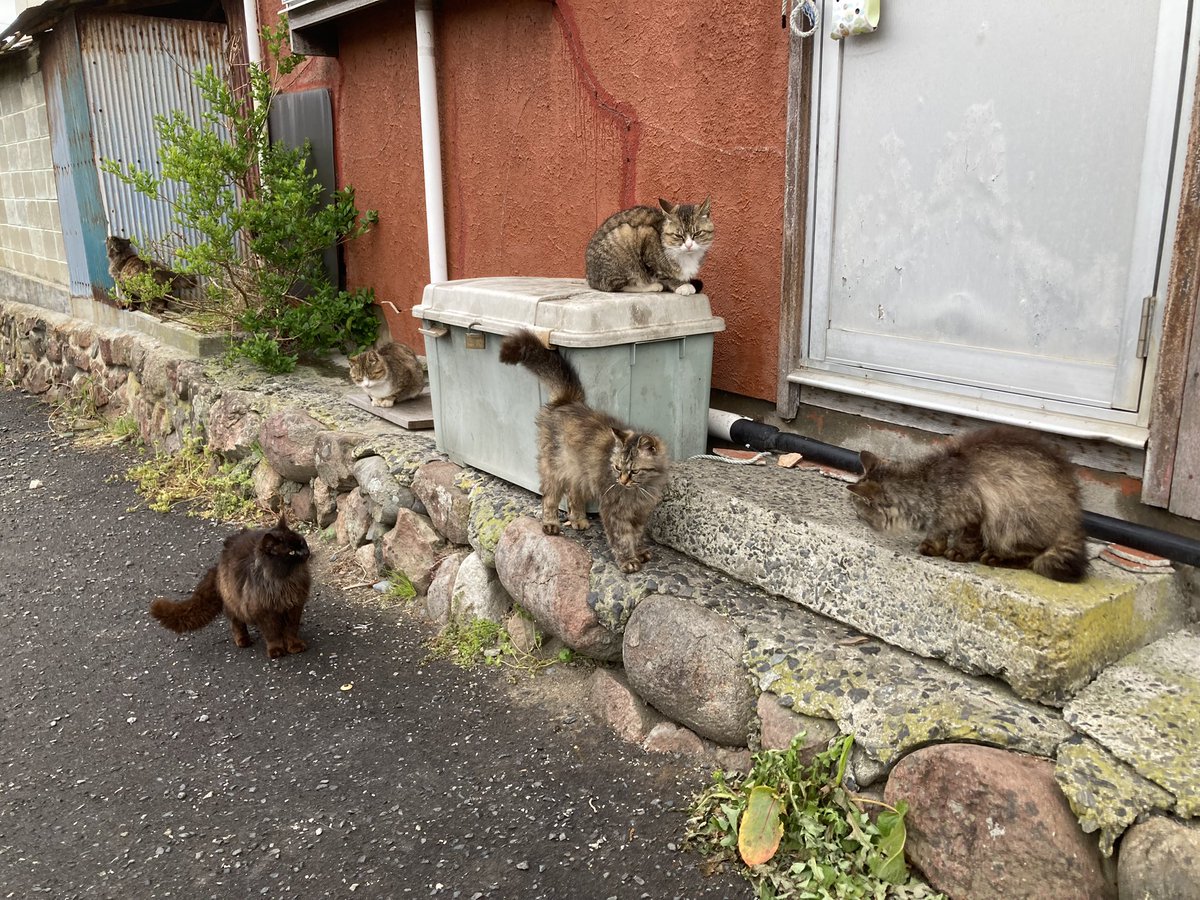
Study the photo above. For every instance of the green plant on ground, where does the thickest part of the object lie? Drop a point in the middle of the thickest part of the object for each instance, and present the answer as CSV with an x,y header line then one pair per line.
x,y
79,408
793,831
119,430
196,478
400,588
262,222
479,641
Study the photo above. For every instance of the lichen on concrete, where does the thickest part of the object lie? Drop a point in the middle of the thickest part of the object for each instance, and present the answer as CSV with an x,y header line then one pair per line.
x,y
1145,710
794,535
495,505
1105,794
891,701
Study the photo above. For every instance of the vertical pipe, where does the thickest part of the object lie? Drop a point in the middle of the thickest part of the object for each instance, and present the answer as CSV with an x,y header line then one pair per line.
x,y
431,147
253,46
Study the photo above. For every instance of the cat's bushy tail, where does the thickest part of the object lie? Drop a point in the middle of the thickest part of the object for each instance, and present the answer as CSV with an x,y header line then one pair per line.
x,y
197,611
548,365
1065,560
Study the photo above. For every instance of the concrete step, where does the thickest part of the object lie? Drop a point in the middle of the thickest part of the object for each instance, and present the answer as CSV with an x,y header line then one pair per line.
x,y
793,532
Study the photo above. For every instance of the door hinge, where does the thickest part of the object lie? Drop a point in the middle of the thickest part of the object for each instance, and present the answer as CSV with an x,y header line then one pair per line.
x,y
1143,343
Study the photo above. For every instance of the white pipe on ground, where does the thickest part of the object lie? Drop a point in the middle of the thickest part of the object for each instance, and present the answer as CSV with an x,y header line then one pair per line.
x,y
431,146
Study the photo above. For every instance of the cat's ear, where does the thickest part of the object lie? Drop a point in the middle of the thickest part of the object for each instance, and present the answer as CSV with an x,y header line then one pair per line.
x,y
704,207
869,461
666,205
649,444
622,435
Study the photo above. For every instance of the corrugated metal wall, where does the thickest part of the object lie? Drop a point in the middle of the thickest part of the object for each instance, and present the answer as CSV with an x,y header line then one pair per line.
x,y
136,68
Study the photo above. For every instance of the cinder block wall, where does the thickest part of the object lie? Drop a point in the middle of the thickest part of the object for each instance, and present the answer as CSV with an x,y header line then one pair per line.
x,y
31,241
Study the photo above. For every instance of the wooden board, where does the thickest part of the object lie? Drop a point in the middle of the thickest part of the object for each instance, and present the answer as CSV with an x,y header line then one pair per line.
x,y
414,415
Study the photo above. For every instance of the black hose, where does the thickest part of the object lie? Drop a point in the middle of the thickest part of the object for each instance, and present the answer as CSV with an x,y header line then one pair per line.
x,y
1104,528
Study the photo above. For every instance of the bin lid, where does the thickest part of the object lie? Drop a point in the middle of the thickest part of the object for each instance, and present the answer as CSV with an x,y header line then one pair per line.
x,y
565,312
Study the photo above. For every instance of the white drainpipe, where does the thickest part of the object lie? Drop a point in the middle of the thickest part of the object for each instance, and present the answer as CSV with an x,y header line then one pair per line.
x,y
253,47
431,147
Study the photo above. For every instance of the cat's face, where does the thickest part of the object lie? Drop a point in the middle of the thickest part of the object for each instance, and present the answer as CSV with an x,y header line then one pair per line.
x,y
687,228
117,246
638,460
285,545
367,368
873,501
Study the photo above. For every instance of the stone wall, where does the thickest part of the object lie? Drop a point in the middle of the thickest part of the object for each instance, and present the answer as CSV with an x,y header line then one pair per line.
x,y
688,661
31,240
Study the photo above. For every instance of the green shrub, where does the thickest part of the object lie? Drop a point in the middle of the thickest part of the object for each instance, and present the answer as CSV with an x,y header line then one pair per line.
x,y
263,226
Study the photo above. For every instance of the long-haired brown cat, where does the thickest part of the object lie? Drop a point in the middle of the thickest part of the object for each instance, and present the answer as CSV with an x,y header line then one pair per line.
x,y
1000,495
589,455
124,263
645,250
261,579
390,374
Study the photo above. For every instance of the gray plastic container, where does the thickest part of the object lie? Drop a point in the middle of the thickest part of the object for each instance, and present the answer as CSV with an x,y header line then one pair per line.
x,y
645,358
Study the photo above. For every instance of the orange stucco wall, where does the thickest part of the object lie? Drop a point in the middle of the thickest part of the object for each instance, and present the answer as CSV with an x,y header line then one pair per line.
x,y
554,115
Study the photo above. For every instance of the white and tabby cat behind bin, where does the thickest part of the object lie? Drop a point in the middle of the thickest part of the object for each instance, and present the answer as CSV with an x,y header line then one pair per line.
x,y
389,374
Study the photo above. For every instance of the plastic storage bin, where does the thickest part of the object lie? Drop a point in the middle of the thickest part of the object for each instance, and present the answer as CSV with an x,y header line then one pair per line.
x,y
645,358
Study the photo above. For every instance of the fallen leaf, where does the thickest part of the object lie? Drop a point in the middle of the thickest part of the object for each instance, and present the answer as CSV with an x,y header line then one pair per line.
x,y
761,828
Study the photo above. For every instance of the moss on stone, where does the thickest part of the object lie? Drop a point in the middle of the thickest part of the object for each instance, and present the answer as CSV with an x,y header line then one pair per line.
x,y
1105,794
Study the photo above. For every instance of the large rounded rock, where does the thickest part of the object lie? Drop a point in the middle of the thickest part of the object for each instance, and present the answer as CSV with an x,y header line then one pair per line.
x,y
412,547
448,505
353,519
550,577
441,587
382,489
234,423
288,439
990,824
686,661
1160,860
478,593
333,453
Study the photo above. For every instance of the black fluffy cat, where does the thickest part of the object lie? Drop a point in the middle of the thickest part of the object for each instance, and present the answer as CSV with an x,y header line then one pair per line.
x,y
262,579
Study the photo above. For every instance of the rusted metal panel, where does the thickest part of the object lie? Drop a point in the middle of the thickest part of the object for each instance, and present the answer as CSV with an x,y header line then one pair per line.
x,y
795,218
137,68
81,208
1168,462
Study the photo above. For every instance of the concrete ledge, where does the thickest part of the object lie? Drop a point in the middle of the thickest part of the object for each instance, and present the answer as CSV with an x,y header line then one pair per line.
x,y
180,337
793,533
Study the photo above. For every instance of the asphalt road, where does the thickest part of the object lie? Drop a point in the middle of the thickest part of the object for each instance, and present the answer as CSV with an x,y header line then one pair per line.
x,y
135,763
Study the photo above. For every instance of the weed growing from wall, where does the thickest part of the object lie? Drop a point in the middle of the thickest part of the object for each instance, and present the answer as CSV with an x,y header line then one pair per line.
x,y
257,207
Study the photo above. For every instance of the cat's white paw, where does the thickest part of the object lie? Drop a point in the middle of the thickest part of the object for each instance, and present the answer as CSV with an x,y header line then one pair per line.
x,y
685,288
387,402
653,287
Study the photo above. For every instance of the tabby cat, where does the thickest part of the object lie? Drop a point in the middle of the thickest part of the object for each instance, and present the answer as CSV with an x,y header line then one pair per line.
x,y
589,455
390,374
999,495
124,263
261,579
644,250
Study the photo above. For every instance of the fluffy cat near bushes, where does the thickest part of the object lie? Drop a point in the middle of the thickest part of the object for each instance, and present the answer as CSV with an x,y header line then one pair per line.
x,y
645,250
588,455
261,579
124,263
389,374
1000,495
